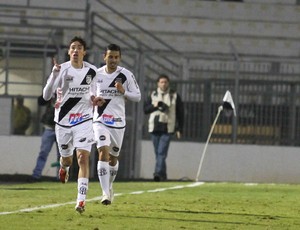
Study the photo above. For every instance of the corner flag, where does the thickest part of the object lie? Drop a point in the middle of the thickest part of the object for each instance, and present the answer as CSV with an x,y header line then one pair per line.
x,y
228,104
228,107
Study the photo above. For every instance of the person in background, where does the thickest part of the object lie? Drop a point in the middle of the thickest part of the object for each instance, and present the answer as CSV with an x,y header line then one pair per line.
x,y
166,118
48,137
115,85
72,82
22,116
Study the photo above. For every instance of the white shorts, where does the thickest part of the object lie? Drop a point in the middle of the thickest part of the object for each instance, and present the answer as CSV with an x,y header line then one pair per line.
x,y
106,136
79,136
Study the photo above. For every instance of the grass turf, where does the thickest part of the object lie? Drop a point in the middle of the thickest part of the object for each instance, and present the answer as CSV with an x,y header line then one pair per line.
x,y
147,205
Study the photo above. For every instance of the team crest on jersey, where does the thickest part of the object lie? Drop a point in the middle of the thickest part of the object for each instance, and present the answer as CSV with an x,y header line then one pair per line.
x,y
69,78
88,79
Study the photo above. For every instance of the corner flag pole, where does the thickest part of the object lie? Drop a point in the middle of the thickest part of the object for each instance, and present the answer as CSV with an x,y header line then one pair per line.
x,y
207,141
227,105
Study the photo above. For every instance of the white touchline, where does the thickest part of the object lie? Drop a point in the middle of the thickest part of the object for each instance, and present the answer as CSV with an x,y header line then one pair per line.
x,y
99,198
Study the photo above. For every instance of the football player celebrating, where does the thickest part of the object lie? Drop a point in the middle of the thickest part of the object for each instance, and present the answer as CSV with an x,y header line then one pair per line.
x,y
115,84
72,82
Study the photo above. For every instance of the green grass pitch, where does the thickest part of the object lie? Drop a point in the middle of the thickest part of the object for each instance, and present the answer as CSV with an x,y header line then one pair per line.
x,y
150,205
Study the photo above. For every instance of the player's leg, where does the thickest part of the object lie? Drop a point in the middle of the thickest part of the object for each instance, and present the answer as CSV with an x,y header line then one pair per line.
x,y
117,136
57,163
113,171
83,139
83,162
103,140
83,179
103,173
65,146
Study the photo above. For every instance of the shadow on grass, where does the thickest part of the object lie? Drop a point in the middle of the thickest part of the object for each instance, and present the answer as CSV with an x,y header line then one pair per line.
x,y
196,220
229,213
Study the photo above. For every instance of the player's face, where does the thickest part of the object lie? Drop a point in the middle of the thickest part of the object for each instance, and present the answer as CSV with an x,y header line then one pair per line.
x,y
163,84
112,59
76,52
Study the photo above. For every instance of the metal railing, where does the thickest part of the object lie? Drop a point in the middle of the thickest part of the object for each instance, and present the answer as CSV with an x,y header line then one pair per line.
x,y
268,109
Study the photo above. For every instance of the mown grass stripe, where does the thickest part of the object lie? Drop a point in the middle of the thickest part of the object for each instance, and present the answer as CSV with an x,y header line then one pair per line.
x,y
99,198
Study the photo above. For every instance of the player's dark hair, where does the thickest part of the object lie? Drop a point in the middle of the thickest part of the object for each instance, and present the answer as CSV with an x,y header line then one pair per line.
x,y
80,40
163,76
113,47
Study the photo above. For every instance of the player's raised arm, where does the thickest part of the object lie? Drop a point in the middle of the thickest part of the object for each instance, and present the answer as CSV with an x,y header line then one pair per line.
x,y
48,89
56,67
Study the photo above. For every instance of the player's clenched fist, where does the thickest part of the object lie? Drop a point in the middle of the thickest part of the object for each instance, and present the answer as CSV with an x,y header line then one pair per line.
x,y
99,101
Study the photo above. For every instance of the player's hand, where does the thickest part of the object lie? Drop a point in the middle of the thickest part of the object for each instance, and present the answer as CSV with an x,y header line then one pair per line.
x,y
56,67
119,87
178,135
97,101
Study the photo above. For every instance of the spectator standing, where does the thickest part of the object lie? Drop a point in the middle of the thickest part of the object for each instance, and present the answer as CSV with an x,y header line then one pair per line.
x,y
48,137
22,116
166,118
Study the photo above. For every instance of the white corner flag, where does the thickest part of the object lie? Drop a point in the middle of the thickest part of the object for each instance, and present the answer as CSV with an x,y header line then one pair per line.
x,y
228,107
228,103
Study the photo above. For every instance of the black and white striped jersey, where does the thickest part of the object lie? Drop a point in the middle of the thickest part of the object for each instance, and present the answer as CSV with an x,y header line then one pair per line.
x,y
73,90
112,113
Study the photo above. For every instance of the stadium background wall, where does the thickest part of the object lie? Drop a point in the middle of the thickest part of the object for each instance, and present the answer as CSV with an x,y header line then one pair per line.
x,y
223,162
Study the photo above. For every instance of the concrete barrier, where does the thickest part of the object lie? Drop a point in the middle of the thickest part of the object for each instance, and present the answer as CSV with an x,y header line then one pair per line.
x,y
222,162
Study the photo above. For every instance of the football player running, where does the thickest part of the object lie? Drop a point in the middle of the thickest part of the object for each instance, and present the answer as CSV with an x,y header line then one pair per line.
x,y
72,82
115,85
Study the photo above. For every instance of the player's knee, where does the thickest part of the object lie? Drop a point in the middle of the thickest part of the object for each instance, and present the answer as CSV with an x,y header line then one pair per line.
x,y
82,158
67,161
104,149
113,160
104,153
